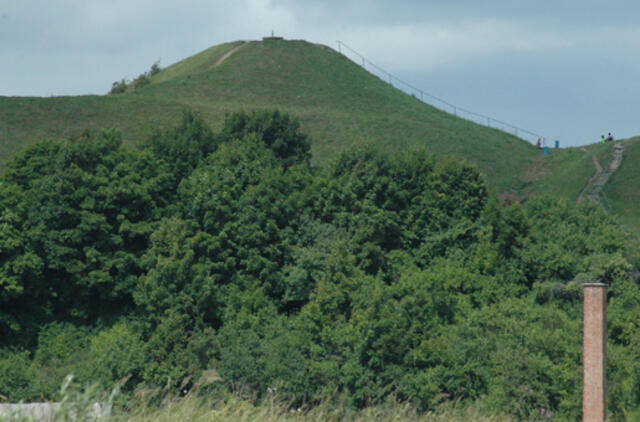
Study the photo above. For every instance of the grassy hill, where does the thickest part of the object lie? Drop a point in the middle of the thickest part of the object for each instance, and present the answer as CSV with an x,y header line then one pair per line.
x,y
338,104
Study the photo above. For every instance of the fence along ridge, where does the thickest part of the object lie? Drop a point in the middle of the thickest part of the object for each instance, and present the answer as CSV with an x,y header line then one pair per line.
x,y
452,108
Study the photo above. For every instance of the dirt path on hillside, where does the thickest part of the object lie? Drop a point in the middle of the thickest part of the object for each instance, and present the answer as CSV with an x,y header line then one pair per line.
x,y
226,55
596,184
594,177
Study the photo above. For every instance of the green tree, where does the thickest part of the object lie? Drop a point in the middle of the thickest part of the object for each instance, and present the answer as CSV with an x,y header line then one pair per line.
x,y
119,87
183,147
79,220
279,131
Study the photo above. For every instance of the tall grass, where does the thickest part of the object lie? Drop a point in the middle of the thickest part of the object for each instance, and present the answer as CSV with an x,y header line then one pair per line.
x,y
89,403
231,409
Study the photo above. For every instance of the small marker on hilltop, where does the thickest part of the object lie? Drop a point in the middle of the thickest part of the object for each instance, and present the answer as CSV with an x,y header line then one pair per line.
x,y
272,37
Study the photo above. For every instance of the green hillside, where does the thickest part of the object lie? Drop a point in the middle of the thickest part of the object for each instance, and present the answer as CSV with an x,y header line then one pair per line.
x,y
337,102
623,190
199,63
564,173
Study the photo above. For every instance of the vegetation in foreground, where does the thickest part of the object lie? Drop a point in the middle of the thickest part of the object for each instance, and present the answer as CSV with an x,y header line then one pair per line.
x,y
373,278
81,405
187,410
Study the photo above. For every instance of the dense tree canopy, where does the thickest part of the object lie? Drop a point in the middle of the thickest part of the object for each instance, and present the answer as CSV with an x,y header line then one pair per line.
x,y
78,216
376,276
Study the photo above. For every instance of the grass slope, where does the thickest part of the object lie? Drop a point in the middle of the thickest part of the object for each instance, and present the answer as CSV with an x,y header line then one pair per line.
x,y
194,64
622,193
564,173
338,103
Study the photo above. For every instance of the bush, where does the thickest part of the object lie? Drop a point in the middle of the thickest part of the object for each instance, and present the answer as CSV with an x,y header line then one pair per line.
x,y
176,353
62,350
155,68
118,87
57,342
141,81
116,353
16,375
145,78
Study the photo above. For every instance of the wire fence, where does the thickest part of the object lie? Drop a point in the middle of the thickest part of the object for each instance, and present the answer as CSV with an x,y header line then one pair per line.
x,y
435,101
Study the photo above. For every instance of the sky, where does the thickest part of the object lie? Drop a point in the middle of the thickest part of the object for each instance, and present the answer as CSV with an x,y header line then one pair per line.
x,y
568,70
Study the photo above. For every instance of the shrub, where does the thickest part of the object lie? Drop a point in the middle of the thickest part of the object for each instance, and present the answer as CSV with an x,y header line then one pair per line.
x,y
141,81
155,68
118,87
176,353
57,342
61,351
145,78
116,353
15,375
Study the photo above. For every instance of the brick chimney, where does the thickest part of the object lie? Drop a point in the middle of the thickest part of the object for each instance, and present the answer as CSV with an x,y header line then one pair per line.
x,y
594,353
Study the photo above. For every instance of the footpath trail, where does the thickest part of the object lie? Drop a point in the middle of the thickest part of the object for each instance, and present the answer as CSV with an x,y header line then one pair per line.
x,y
594,177
226,55
595,185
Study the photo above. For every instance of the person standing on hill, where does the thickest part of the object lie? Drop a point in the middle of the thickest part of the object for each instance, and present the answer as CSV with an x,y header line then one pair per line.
x,y
602,140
